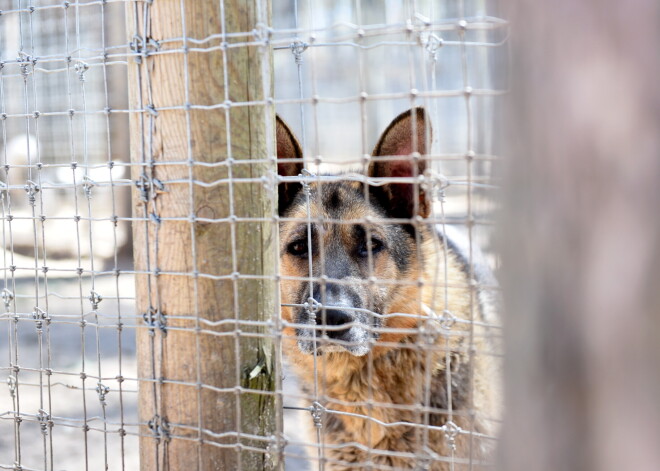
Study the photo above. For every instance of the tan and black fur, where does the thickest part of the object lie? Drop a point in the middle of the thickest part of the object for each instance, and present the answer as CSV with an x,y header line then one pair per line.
x,y
374,255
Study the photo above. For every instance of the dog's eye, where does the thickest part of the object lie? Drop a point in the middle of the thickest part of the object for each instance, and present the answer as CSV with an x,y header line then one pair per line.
x,y
298,248
376,246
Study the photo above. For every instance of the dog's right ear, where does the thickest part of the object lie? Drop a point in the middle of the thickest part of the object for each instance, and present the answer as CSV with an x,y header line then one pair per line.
x,y
289,164
405,135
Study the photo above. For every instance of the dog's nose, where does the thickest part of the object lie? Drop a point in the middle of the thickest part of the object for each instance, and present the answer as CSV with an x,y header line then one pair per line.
x,y
334,318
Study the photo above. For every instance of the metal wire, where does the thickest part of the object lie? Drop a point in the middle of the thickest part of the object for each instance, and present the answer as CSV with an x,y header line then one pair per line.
x,y
342,71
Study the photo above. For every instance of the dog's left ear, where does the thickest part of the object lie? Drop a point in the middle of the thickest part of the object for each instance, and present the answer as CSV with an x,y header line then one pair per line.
x,y
289,163
406,134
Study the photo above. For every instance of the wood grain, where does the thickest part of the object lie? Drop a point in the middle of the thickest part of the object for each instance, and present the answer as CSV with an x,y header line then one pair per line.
x,y
183,366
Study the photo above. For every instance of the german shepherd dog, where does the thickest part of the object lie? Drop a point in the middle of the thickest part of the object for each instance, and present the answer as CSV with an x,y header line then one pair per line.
x,y
384,321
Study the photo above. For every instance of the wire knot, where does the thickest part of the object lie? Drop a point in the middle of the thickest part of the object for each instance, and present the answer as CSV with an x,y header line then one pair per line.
x,y
81,67
88,184
102,390
95,298
312,307
31,189
154,318
7,297
435,184
307,189
40,316
160,427
297,49
447,320
149,188
25,60
44,421
432,44
451,432
11,383
142,47
317,411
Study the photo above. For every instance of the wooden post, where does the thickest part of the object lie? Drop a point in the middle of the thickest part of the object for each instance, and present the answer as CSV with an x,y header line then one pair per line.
x,y
192,270
581,237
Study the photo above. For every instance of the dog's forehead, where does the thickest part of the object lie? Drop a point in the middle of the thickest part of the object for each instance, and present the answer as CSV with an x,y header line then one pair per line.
x,y
334,200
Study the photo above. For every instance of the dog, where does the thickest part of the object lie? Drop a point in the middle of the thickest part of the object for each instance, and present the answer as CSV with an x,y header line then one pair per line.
x,y
384,321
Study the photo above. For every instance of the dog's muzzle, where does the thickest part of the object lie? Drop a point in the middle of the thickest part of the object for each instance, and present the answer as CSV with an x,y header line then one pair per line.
x,y
340,324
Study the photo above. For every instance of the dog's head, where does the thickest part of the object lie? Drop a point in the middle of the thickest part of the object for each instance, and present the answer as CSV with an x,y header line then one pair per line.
x,y
340,256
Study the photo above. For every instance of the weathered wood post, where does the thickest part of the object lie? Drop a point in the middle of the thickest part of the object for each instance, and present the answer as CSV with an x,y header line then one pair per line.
x,y
582,237
203,231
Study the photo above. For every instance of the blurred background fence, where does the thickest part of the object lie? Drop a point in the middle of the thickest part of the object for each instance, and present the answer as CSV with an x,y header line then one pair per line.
x,y
341,70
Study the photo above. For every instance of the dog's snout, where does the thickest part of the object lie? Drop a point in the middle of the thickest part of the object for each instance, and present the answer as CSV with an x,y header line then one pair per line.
x,y
334,318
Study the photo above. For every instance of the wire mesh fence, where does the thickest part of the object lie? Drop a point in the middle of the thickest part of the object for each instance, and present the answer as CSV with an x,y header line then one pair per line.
x,y
353,327
67,327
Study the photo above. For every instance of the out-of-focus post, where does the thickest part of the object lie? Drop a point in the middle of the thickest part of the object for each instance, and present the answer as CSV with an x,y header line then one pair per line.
x,y
581,237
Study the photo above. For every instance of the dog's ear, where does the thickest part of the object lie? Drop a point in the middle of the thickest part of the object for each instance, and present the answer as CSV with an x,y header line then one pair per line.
x,y
287,150
406,134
